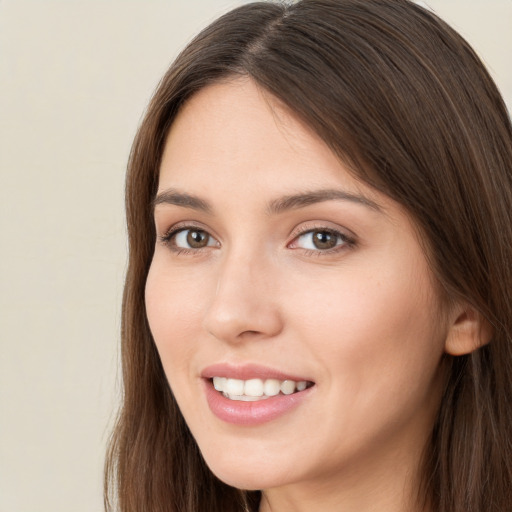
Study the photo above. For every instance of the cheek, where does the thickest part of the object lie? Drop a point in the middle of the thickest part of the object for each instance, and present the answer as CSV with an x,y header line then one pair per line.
x,y
378,345
174,309
377,326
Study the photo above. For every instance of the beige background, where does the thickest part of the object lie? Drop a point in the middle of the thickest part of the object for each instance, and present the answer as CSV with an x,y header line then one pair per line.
x,y
74,79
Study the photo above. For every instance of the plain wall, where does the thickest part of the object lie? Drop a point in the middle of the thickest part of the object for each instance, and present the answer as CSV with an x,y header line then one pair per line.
x,y
75,77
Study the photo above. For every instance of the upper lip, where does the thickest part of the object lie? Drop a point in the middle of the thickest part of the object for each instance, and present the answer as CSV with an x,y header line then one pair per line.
x,y
248,371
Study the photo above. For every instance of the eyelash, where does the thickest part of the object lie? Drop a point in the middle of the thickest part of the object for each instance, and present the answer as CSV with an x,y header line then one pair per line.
x,y
347,241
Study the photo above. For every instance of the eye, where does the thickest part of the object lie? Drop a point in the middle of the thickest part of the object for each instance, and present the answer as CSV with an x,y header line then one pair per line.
x,y
192,238
320,240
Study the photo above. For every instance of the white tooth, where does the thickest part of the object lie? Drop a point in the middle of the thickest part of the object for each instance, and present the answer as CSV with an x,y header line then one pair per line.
x,y
253,387
301,386
245,398
272,387
219,383
288,387
234,387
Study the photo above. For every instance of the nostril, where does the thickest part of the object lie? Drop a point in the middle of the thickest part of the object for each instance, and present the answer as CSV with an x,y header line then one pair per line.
x,y
249,332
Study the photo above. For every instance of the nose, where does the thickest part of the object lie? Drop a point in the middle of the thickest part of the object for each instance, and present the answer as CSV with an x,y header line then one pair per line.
x,y
245,301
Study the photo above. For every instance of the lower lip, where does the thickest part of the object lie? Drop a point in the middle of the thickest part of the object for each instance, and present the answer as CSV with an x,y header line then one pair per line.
x,y
238,412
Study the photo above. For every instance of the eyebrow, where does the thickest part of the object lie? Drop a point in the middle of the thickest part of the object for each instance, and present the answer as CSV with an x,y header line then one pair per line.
x,y
302,200
276,206
172,196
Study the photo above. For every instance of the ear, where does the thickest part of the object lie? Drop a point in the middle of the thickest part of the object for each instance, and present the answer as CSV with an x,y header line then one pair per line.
x,y
468,331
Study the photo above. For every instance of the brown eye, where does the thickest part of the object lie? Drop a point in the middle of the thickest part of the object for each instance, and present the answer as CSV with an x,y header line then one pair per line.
x,y
321,240
324,239
197,239
192,239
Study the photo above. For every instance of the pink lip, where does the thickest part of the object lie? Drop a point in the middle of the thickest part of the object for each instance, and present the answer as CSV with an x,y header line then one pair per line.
x,y
247,371
250,413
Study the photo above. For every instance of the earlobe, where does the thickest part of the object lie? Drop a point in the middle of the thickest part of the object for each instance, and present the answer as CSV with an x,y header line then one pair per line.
x,y
468,332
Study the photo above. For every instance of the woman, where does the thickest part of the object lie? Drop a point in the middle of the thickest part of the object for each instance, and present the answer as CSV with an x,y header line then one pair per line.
x,y
317,312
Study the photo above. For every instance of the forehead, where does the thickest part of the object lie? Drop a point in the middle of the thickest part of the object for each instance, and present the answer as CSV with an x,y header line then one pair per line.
x,y
236,132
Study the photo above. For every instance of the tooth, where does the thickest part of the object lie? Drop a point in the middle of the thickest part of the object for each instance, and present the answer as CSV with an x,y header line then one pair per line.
x,y
250,390
301,386
272,387
288,387
253,387
245,398
219,383
234,387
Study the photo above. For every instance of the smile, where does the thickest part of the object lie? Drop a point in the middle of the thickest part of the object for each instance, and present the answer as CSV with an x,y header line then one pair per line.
x,y
253,390
251,395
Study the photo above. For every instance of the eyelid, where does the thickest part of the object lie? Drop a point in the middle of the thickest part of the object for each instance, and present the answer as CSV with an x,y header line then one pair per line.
x,y
186,224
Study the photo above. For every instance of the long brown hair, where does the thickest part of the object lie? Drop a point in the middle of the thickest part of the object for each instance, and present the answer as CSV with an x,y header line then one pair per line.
x,y
404,102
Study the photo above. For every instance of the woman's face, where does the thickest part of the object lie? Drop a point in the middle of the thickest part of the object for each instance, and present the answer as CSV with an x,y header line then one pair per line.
x,y
276,272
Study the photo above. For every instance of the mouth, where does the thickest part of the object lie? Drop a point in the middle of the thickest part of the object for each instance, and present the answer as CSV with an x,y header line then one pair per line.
x,y
254,390
253,394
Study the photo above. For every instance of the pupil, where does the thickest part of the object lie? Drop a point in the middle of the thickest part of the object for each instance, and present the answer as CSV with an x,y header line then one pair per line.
x,y
197,239
324,240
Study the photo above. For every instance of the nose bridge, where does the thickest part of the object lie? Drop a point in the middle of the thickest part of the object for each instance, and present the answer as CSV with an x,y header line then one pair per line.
x,y
244,300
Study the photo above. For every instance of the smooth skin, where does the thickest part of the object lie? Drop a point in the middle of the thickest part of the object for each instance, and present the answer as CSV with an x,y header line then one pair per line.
x,y
332,286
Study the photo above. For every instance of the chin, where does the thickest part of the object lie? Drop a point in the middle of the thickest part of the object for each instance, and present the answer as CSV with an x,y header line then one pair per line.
x,y
247,482
246,474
